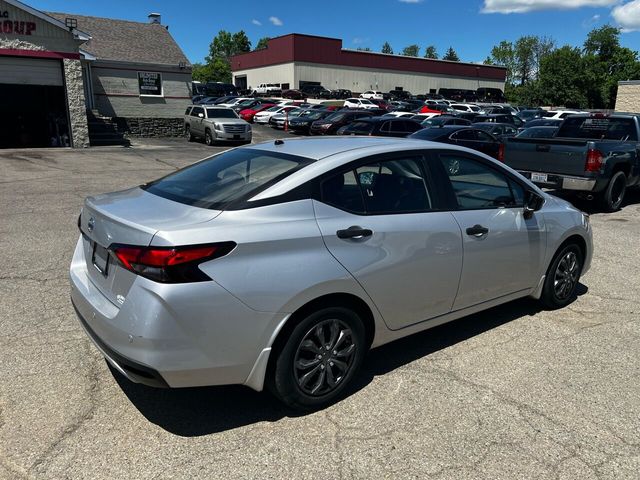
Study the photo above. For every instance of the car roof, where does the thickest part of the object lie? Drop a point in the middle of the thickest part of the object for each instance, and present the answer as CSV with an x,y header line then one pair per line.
x,y
492,124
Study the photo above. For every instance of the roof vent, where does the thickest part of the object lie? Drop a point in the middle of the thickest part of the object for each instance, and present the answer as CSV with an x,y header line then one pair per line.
x,y
155,18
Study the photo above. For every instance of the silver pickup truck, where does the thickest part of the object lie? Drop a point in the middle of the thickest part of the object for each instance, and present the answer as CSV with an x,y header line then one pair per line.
x,y
215,124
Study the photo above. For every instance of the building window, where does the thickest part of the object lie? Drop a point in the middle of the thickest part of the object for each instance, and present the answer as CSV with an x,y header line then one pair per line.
x,y
150,83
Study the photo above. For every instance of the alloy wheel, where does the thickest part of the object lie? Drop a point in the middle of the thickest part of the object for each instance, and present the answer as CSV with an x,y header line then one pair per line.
x,y
566,276
324,357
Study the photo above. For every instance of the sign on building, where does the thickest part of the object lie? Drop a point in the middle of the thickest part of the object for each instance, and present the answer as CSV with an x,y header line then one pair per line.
x,y
150,83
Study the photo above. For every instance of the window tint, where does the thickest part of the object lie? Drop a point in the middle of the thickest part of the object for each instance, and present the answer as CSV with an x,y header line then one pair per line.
x,y
225,178
465,135
485,137
598,127
221,113
186,112
393,186
196,110
478,186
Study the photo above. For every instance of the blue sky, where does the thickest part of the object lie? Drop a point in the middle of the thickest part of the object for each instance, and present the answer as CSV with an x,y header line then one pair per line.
x,y
463,24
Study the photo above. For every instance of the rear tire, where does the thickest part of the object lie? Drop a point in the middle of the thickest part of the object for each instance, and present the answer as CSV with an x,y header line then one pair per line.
x,y
562,278
613,195
319,359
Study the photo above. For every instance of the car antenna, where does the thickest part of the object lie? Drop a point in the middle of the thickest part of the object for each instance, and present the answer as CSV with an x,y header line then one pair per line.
x,y
278,142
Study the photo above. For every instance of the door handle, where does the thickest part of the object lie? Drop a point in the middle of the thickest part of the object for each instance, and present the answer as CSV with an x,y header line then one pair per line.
x,y
354,232
477,231
543,148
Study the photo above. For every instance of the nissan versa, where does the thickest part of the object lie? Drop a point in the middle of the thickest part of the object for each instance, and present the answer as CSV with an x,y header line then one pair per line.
x,y
280,264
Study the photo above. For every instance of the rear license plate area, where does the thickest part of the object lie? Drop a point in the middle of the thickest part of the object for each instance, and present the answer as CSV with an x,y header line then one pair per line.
x,y
100,259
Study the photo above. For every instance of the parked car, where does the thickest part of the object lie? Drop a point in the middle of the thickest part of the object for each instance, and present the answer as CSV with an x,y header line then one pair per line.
x,y
466,107
301,124
443,121
400,106
499,130
372,94
538,132
359,103
382,104
398,114
330,124
293,94
428,109
466,115
382,127
500,109
490,95
596,155
313,91
278,120
421,117
215,124
248,114
473,138
264,116
235,101
458,95
500,118
560,114
341,93
249,103
175,282
267,89
225,100
400,95
530,114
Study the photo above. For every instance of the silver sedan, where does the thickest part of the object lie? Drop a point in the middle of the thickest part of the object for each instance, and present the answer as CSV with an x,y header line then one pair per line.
x,y
280,264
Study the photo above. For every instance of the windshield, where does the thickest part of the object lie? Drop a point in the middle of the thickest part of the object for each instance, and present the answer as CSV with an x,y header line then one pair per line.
x,y
336,117
429,133
598,128
538,132
221,113
233,175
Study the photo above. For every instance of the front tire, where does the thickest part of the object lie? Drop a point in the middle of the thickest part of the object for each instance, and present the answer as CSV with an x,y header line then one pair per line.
x,y
562,278
188,134
613,195
208,138
319,359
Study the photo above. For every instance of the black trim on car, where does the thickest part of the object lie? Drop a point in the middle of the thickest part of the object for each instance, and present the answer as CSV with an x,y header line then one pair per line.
x,y
141,373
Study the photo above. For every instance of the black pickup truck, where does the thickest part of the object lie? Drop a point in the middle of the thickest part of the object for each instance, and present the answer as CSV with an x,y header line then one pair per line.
x,y
596,155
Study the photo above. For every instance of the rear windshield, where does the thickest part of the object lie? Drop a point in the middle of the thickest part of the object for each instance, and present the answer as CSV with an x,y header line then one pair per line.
x,y
598,128
232,176
221,113
361,127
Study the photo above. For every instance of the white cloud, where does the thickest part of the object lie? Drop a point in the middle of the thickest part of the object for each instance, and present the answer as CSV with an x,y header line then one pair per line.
x,y
410,1
276,21
256,22
590,22
628,16
523,6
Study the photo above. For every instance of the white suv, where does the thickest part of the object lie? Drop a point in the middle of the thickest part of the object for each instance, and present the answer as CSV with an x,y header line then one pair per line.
x,y
372,94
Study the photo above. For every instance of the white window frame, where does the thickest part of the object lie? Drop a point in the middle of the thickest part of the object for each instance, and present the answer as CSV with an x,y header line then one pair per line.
x,y
148,95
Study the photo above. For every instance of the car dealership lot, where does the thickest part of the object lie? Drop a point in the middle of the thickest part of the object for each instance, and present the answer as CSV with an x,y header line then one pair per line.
x,y
514,392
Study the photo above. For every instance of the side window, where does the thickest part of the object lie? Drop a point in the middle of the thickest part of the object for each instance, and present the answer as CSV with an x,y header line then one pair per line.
x,y
485,137
187,111
393,186
478,186
465,135
385,127
196,110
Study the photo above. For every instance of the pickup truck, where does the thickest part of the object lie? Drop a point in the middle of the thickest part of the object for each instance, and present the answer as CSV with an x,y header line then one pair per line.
x,y
595,155
267,89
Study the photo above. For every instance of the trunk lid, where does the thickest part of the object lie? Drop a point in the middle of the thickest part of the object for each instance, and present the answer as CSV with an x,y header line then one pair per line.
x,y
129,217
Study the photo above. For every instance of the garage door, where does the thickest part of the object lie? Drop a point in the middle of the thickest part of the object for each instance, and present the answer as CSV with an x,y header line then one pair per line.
x,y
30,71
34,107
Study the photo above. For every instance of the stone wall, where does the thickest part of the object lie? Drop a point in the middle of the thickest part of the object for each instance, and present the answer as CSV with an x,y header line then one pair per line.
x,y
75,99
628,98
152,127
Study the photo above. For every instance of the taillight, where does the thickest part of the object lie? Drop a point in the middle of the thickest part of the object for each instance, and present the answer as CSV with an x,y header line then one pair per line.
x,y
594,160
501,153
170,264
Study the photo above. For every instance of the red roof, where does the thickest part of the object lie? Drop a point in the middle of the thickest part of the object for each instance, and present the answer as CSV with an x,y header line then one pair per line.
x,y
297,47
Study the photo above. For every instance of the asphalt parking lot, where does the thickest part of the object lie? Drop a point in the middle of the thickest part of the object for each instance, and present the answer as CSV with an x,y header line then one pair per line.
x,y
512,393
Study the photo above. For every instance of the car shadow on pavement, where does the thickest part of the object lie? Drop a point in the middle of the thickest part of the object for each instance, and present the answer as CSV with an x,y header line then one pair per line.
x,y
191,412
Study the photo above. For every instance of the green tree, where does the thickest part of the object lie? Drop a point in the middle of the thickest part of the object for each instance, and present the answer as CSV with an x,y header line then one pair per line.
x,y
431,52
503,54
451,55
386,48
201,72
562,78
411,51
262,43
525,58
603,42
222,48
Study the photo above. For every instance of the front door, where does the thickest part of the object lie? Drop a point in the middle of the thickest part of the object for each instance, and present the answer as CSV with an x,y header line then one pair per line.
x,y
378,220
502,249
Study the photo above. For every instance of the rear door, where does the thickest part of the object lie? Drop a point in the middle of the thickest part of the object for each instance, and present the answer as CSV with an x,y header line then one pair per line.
x,y
503,251
196,121
380,219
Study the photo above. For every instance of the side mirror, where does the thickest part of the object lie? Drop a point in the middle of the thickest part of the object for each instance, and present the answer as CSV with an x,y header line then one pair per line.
x,y
201,115
532,203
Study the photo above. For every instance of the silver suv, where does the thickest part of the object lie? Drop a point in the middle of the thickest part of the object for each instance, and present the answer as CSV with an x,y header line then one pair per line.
x,y
215,124
282,263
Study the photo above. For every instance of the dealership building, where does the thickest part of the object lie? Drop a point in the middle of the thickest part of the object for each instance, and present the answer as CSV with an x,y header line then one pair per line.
x,y
72,80
628,96
295,60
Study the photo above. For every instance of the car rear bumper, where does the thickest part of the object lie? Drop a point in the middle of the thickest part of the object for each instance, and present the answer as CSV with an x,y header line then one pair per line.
x,y
563,182
174,335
